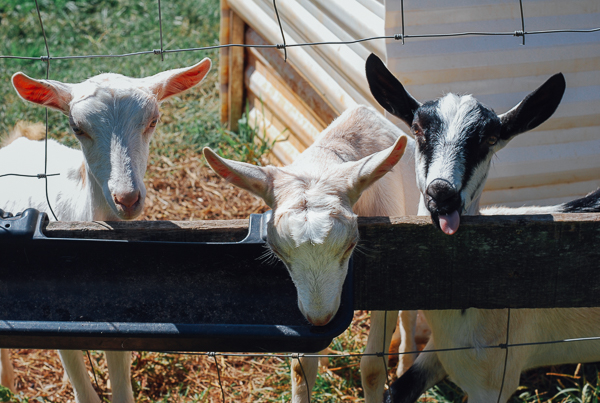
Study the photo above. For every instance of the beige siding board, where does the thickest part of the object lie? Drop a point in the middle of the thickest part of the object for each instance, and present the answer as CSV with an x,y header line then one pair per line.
x,y
375,6
331,24
358,95
333,72
544,172
356,21
339,58
265,25
284,131
284,152
543,195
303,90
431,18
504,85
570,122
417,76
560,136
532,166
285,110
263,68
523,61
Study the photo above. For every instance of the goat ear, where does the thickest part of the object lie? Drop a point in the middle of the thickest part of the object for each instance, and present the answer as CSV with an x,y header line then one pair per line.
x,y
172,82
535,109
50,93
370,169
252,178
389,92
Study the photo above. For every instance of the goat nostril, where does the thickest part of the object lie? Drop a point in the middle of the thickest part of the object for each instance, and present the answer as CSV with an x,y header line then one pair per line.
x,y
127,200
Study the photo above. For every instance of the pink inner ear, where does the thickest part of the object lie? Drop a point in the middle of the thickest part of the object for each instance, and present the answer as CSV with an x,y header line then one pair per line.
x,y
185,80
35,91
223,170
392,159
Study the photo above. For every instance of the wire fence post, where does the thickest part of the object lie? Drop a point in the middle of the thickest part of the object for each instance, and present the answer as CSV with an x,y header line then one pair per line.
x,y
162,51
47,60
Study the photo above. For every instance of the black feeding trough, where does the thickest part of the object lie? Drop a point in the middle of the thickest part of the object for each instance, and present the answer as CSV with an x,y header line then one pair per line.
x,y
147,295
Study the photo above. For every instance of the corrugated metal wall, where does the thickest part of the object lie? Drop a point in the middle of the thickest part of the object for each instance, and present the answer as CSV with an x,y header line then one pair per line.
x,y
557,162
330,76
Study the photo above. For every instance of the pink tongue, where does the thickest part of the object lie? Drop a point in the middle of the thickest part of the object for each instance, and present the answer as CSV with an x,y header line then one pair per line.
x,y
449,223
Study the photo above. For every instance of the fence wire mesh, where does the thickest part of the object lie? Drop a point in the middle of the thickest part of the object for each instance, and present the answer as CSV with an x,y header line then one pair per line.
x,y
283,46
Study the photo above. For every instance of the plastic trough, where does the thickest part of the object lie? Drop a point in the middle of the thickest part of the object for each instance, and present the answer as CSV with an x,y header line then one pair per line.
x,y
176,296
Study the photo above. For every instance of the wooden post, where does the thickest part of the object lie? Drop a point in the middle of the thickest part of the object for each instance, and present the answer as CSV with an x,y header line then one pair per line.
x,y
224,61
236,71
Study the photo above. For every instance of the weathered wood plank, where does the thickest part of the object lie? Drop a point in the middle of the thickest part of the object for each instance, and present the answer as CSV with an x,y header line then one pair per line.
x,y
236,71
405,263
224,60
492,262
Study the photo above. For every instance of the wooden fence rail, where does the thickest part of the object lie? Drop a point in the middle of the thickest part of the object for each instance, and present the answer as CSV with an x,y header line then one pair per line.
x,y
539,261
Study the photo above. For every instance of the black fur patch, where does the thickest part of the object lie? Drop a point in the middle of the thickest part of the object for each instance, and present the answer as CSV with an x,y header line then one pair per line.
x,y
476,137
407,388
432,126
587,204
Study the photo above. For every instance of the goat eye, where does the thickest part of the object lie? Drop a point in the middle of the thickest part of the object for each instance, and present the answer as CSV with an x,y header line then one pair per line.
x,y
153,123
417,131
492,140
77,131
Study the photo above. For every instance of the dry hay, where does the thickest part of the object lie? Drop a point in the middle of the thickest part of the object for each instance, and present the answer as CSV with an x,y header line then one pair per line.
x,y
188,190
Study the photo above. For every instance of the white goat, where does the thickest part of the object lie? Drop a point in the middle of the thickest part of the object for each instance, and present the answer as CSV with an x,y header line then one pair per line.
x,y
113,117
456,139
315,204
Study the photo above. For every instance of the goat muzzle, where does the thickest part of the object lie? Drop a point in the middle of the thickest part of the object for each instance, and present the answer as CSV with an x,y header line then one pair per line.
x,y
444,203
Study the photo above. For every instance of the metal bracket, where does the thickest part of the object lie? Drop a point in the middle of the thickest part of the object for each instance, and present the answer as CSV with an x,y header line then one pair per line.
x,y
25,225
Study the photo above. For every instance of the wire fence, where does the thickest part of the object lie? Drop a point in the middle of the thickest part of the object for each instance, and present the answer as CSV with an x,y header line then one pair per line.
x,y
523,33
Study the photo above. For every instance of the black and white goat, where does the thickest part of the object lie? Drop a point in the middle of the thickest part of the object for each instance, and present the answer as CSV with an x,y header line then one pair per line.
x,y
457,137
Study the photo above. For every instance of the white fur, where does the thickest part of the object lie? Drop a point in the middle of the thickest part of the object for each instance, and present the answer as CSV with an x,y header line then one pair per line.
x,y
115,116
447,162
315,202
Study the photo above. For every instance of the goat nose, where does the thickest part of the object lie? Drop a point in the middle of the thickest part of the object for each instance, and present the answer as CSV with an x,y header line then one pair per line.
x,y
441,190
127,200
319,321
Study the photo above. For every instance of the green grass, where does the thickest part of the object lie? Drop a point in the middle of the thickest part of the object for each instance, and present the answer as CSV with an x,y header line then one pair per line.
x,y
6,396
